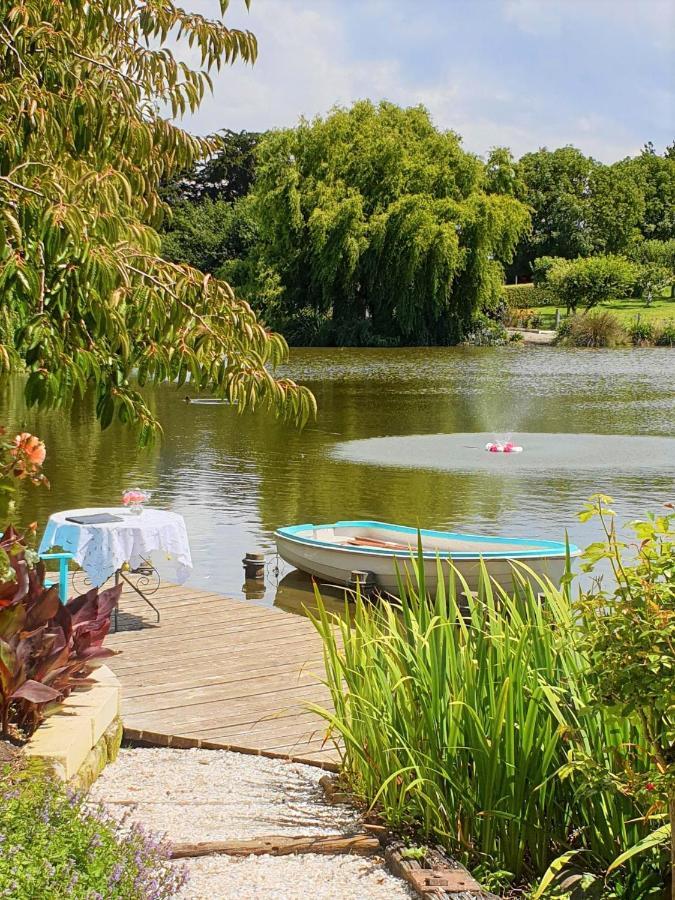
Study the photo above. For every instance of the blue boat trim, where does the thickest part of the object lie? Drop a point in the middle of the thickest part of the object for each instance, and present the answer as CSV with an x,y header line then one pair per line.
x,y
544,548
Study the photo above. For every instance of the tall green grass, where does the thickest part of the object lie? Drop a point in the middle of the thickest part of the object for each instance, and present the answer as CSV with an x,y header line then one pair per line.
x,y
457,713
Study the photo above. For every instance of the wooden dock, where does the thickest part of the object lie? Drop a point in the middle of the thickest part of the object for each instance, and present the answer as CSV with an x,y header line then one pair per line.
x,y
217,672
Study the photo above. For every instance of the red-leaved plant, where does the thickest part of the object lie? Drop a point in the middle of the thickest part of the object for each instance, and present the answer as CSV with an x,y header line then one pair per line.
x,y
46,647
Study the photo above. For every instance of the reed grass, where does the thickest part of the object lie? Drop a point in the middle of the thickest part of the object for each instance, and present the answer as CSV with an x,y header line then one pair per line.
x,y
457,713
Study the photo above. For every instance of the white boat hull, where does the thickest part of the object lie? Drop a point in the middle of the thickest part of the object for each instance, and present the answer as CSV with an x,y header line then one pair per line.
x,y
333,563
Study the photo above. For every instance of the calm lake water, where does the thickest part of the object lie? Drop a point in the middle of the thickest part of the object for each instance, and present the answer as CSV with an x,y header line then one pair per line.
x,y
235,478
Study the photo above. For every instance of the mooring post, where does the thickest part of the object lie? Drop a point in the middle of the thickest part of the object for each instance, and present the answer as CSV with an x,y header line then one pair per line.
x,y
557,319
254,565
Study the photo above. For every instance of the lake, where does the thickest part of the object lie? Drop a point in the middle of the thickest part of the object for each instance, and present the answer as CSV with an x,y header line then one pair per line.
x,y
235,478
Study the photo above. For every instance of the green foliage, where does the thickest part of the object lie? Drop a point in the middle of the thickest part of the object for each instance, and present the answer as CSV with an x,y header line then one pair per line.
x,y
527,296
227,175
457,714
629,636
541,267
665,335
208,235
46,647
655,177
379,222
523,318
595,329
590,281
580,207
626,632
83,149
660,252
652,279
54,845
641,332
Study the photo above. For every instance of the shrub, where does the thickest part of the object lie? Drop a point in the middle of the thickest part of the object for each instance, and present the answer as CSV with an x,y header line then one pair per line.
x,y
597,329
55,845
45,646
588,281
665,335
641,332
457,714
523,318
525,296
652,280
485,332
541,267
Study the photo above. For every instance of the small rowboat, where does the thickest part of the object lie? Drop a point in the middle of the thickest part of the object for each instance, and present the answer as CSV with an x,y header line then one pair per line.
x,y
332,552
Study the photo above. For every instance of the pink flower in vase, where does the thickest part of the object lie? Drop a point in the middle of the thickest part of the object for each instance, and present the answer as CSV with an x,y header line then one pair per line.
x,y
135,498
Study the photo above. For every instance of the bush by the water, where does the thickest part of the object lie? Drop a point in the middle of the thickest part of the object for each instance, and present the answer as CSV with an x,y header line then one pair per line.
x,y
526,296
523,318
53,846
665,335
594,329
474,720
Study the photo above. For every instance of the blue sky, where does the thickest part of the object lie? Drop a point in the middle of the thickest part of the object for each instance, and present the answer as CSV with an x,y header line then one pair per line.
x,y
599,74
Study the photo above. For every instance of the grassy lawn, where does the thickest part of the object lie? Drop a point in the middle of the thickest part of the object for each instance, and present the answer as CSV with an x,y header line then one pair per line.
x,y
661,310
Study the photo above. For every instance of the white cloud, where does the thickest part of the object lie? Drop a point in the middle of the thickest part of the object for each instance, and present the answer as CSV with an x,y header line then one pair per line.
x,y
308,63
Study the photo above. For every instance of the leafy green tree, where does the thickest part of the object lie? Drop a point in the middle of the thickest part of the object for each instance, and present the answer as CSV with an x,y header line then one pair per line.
x,y
380,224
227,175
580,207
652,280
655,176
502,174
557,188
207,234
591,280
657,254
617,207
83,149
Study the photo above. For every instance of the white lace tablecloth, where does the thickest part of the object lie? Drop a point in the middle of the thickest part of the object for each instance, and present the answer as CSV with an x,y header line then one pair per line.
x,y
101,550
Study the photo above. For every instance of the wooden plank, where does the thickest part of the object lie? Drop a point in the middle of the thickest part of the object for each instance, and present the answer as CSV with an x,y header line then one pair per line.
x,y
214,647
280,845
222,672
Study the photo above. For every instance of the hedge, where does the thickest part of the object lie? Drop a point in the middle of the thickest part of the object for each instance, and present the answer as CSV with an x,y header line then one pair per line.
x,y
527,296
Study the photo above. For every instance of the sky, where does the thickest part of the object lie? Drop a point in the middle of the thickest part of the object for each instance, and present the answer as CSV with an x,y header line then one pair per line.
x,y
598,74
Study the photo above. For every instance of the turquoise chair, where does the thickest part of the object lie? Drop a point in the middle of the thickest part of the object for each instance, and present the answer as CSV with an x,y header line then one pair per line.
x,y
64,559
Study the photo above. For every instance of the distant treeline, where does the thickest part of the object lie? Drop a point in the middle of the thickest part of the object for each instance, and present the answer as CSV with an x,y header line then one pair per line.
x,y
371,226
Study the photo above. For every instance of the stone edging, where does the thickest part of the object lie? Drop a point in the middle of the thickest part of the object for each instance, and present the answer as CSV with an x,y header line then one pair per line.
x,y
83,733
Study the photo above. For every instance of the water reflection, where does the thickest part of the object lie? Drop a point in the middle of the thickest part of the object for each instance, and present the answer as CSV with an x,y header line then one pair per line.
x,y
236,478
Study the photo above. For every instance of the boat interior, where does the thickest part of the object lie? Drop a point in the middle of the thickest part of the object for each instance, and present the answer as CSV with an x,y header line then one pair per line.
x,y
381,538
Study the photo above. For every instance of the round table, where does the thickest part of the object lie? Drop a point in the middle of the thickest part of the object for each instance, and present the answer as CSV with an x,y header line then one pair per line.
x,y
104,550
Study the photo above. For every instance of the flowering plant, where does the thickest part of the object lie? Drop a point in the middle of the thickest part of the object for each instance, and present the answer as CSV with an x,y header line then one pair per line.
x,y
135,497
22,457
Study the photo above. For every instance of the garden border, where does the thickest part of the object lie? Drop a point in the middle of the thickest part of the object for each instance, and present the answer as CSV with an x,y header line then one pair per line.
x,y
83,733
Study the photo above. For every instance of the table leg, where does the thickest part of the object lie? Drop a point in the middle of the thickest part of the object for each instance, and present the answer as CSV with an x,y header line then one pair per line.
x,y
122,575
117,605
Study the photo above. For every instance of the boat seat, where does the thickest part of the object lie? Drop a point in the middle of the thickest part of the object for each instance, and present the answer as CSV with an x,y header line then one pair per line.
x,y
374,542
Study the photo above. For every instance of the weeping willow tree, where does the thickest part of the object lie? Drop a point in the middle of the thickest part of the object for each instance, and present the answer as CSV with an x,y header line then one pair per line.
x,y
86,299
383,224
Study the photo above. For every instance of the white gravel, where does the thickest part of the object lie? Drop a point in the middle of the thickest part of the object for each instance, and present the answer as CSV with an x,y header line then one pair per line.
x,y
308,877
201,795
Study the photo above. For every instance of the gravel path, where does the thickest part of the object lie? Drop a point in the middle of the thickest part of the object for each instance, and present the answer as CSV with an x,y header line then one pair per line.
x,y
193,795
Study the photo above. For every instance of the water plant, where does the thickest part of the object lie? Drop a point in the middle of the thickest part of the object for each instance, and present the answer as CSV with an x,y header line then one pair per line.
x,y
596,329
457,715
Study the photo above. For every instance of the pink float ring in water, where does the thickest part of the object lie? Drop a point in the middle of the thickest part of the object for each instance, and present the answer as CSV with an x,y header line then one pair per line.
x,y
499,447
